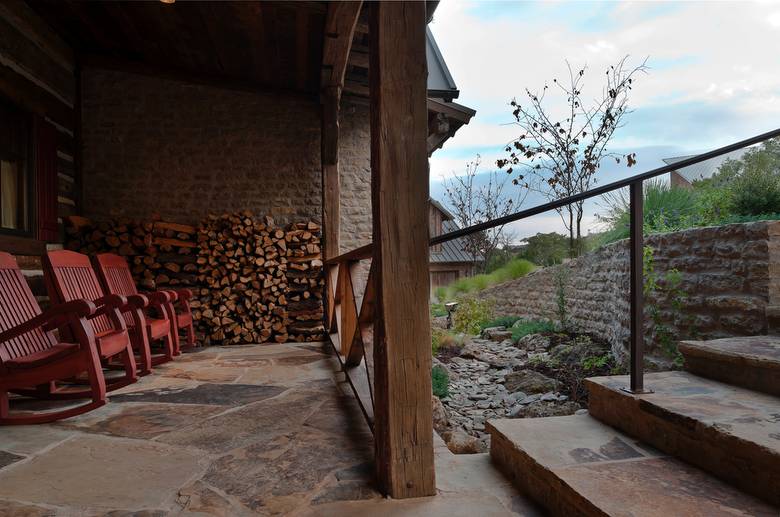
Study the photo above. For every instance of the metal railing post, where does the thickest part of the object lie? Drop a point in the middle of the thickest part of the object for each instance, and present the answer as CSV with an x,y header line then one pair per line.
x,y
637,298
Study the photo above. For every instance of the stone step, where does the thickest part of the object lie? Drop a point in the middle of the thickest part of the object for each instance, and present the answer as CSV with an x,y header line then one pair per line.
x,y
751,362
575,465
729,431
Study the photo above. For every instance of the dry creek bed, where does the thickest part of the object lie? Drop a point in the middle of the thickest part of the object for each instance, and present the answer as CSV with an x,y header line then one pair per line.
x,y
492,377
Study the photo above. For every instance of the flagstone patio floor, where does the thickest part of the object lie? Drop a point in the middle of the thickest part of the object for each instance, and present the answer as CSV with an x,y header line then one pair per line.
x,y
244,430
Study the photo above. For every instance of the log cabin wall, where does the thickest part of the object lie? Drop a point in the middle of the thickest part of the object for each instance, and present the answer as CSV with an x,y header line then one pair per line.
x,y
154,144
38,78
37,74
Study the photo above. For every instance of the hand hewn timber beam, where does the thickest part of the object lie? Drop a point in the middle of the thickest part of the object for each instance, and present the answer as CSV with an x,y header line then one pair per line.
x,y
399,186
331,184
339,30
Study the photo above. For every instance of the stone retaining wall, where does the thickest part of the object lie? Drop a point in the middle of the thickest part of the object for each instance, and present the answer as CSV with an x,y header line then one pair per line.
x,y
729,277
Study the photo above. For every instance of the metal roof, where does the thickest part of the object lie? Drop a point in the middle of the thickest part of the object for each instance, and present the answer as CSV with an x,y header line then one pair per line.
x,y
705,169
447,214
440,81
451,251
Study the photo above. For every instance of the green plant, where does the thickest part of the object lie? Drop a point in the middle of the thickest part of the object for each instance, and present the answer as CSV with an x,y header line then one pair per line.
x,y
596,362
515,268
503,321
756,191
668,290
437,335
438,310
523,328
546,249
440,381
561,279
666,209
471,314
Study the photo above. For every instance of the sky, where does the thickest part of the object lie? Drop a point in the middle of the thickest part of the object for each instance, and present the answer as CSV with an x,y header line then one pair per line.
x,y
713,77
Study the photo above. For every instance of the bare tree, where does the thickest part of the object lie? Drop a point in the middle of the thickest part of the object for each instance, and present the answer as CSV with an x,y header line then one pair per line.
x,y
476,198
560,156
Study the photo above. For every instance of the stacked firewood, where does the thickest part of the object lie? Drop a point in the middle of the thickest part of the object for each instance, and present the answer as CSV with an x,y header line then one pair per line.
x,y
161,254
259,282
170,261
253,281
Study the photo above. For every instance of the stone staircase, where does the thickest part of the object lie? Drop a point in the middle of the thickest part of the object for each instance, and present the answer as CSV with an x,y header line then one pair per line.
x,y
705,442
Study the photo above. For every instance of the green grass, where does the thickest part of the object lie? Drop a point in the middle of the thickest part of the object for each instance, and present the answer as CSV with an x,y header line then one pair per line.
x,y
440,381
503,321
525,327
666,209
515,268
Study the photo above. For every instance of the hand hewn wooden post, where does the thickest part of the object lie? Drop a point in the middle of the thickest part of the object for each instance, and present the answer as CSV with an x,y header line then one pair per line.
x,y
340,24
399,184
331,186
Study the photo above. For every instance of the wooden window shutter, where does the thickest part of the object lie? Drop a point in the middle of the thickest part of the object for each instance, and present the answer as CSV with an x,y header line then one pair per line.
x,y
46,184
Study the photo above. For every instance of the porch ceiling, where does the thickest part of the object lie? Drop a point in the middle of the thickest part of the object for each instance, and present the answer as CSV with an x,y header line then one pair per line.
x,y
276,45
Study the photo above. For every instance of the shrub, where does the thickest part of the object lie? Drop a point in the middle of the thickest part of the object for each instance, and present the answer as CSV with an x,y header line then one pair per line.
x,y
713,203
440,381
436,337
441,339
522,328
438,310
756,191
546,249
471,314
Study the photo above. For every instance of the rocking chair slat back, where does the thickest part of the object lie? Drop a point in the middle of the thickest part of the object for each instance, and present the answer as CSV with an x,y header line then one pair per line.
x,y
71,277
18,305
116,277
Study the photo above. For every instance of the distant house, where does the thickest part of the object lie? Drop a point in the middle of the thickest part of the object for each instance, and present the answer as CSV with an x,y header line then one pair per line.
x,y
685,176
448,261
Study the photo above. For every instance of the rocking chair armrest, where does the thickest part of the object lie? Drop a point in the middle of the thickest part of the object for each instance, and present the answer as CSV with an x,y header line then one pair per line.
x,y
137,301
158,297
113,301
172,296
79,308
108,303
184,294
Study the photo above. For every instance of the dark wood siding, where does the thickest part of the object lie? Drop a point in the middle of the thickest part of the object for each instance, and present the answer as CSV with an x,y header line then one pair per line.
x,y
37,73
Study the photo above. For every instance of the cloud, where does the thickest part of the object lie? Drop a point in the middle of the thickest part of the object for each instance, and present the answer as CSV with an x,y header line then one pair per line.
x,y
715,56
713,75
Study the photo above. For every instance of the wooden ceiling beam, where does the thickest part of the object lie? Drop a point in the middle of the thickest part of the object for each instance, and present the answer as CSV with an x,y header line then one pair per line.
x,y
185,75
340,22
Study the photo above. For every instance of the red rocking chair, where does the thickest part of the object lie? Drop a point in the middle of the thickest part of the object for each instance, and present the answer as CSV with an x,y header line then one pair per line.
x,y
32,359
155,321
183,316
69,276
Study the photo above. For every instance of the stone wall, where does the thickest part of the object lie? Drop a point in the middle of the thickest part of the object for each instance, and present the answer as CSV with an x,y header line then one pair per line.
x,y
729,277
158,145
183,150
355,175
